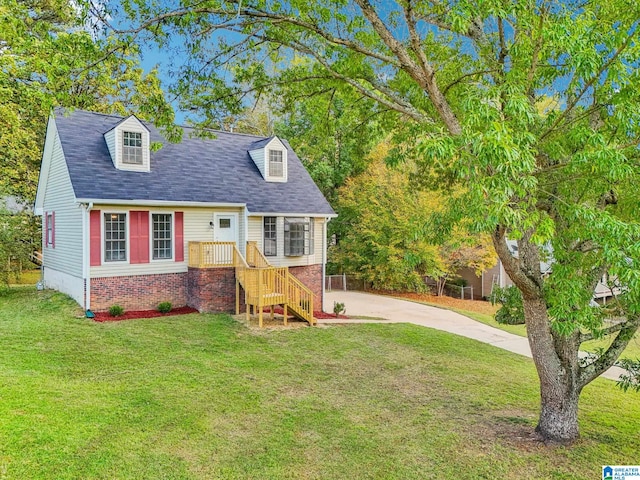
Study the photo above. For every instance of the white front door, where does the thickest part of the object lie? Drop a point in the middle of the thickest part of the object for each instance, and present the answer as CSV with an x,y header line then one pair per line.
x,y
225,227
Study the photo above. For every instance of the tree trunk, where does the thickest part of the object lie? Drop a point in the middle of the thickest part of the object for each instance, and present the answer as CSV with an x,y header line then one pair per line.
x,y
556,360
558,415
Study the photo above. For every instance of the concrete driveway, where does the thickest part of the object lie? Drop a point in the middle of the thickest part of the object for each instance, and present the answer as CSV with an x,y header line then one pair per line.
x,y
394,310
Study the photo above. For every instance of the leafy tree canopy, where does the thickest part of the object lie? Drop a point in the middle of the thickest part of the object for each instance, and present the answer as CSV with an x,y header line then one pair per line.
x,y
386,236
49,58
530,107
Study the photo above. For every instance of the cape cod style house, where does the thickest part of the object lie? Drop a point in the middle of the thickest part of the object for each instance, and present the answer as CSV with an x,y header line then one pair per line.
x,y
216,224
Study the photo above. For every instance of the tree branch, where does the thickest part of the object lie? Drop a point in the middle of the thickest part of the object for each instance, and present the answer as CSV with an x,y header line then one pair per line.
x,y
512,265
589,84
616,327
425,79
609,357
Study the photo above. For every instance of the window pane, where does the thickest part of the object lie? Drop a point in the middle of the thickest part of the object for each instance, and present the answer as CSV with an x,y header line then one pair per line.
x,y
49,229
275,163
225,222
296,236
132,148
161,236
115,245
270,240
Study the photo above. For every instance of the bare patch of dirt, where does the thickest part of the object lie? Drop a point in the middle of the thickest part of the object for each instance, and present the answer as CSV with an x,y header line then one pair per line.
x,y
277,323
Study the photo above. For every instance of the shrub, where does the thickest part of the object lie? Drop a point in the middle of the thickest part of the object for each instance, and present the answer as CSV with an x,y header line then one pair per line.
x,y
338,308
512,310
116,310
164,307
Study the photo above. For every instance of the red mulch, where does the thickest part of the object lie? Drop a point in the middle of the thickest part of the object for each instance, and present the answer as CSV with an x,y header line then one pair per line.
x,y
316,314
133,314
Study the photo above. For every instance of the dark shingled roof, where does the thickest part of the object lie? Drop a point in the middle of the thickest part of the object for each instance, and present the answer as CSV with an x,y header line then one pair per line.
x,y
216,170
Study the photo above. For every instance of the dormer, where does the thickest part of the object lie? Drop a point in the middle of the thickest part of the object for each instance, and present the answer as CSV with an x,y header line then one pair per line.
x,y
128,144
270,156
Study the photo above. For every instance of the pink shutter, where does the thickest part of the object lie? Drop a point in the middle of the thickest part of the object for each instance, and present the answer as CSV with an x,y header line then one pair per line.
x,y
45,230
179,221
95,253
53,230
139,236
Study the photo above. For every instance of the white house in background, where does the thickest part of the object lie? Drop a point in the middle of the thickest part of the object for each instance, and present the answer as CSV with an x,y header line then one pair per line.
x,y
126,225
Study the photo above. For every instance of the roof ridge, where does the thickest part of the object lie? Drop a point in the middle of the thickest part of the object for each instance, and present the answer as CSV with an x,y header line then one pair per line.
x,y
184,127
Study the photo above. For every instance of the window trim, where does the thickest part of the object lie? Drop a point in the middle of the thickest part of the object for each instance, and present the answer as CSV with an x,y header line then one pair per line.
x,y
173,235
48,239
282,163
140,148
127,247
275,235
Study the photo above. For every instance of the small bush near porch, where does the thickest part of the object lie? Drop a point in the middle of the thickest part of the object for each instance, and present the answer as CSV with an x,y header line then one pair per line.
x,y
200,396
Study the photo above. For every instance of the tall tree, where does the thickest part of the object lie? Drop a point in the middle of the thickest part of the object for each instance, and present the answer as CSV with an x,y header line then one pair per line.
x,y
387,236
49,58
466,80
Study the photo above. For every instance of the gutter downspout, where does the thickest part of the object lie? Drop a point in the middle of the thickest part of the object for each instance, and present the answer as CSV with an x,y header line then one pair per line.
x,y
86,269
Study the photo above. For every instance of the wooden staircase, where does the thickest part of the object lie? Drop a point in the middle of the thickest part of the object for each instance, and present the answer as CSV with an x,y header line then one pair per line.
x,y
264,285
267,286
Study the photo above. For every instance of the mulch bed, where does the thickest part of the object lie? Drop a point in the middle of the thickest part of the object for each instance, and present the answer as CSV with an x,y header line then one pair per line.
x,y
479,306
134,314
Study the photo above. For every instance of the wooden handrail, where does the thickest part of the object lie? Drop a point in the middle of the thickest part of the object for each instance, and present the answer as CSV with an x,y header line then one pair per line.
x,y
263,284
212,254
255,257
300,299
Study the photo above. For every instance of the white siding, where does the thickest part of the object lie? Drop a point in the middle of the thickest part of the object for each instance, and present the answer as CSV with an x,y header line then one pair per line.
x,y
255,231
69,284
66,257
261,158
196,228
318,239
131,124
258,158
110,138
276,144
280,260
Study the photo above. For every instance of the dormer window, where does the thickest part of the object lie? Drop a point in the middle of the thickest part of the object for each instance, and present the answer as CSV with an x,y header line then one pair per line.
x,y
129,145
270,156
276,168
132,148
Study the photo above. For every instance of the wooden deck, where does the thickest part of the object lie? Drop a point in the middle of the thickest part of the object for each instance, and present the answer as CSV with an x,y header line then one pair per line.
x,y
264,285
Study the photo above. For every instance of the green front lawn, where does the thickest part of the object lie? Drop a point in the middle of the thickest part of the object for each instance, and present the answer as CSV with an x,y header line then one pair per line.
x,y
632,351
200,396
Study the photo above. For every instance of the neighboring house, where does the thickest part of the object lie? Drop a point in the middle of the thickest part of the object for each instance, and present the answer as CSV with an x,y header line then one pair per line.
x,y
494,276
126,225
497,276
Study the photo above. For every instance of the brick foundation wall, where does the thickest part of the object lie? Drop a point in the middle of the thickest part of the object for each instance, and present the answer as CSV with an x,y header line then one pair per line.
x,y
205,289
311,276
139,292
213,290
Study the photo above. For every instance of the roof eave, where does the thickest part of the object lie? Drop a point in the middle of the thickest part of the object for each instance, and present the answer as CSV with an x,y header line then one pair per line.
x,y
158,203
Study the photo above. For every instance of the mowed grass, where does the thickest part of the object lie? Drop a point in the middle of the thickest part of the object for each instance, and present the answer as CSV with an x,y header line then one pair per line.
x,y
202,397
477,310
632,351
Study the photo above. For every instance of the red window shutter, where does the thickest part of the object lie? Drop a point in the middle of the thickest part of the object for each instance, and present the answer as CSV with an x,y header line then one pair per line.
x,y
139,236
53,229
95,246
179,221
